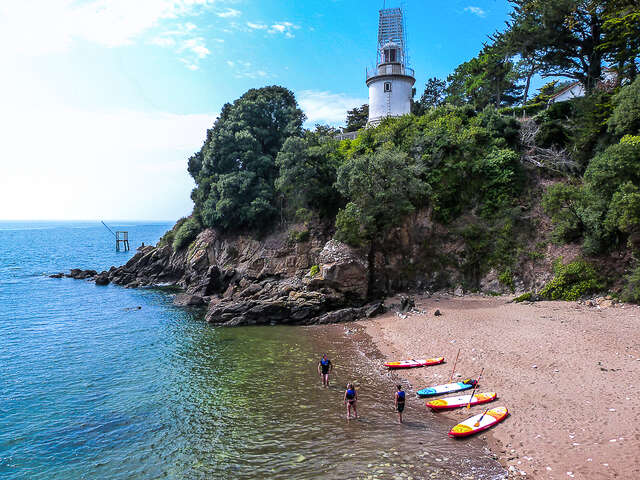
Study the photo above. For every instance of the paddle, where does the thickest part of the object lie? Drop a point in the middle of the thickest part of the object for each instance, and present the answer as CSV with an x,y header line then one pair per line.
x,y
474,388
454,366
477,424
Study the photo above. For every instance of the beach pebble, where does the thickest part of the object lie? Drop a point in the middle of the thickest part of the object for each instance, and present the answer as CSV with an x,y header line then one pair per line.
x,y
534,366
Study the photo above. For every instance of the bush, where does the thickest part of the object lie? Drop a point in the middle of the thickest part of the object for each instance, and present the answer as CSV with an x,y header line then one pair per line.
x,y
314,271
525,297
186,233
631,292
298,236
626,113
506,279
572,281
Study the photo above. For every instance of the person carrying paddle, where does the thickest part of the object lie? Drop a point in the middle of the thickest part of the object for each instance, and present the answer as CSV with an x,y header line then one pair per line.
x,y
324,368
399,399
350,400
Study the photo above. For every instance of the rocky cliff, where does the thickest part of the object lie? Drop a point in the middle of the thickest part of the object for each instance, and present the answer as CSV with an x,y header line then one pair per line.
x,y
244,281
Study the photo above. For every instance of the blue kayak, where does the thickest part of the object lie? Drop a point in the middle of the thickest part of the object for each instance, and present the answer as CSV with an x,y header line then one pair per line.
x,y
447,388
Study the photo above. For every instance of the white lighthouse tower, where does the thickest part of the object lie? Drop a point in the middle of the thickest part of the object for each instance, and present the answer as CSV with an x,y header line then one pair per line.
x,y
391,82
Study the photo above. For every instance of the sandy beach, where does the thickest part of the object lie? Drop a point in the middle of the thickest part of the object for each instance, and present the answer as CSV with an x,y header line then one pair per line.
x,y
569,374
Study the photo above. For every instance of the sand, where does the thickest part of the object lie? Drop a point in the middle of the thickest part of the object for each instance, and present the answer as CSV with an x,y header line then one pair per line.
x,y
569,374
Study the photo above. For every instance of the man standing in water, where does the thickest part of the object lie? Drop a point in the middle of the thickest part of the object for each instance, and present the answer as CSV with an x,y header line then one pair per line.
x,y
324,368
399,402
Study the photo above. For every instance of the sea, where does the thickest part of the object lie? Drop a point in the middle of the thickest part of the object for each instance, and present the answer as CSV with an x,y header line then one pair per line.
x,y
105,382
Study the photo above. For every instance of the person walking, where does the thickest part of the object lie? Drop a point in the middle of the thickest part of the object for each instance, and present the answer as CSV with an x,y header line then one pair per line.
x,y
351,400
399,399
324,368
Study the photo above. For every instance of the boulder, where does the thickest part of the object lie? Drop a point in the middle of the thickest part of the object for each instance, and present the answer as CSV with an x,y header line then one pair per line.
x,y
186,300
343,269
56,275
102,279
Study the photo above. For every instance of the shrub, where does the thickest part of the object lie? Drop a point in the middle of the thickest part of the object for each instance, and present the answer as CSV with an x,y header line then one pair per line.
x,y
572,281
631,292
525,297
186,233
298,236
506,279
314,271
626,113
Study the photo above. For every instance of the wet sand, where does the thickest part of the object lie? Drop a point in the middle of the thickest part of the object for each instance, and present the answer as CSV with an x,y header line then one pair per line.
x,y
569,374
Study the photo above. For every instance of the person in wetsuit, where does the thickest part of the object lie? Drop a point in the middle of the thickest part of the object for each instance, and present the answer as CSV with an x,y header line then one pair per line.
x,y
399,399
324,368
350,400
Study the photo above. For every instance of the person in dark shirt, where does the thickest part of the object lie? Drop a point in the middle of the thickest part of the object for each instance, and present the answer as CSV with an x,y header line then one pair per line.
x,y
399,399
324,368
350,400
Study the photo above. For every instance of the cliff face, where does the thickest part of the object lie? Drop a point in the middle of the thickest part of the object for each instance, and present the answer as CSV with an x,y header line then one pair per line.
x,y
245,281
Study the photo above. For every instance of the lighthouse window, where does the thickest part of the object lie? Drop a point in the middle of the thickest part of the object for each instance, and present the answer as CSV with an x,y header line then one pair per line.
x,y
387,86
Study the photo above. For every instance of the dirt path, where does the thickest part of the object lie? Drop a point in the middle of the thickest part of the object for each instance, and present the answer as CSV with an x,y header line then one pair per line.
x,y
569,374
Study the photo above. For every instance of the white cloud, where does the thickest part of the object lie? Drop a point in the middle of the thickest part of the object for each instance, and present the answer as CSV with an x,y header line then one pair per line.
x,y
36,27
229,13
257,26
476,11
184,40
281,28
327,107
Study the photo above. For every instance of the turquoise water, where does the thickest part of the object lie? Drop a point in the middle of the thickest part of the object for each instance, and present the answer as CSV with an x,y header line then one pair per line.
x,y
91,386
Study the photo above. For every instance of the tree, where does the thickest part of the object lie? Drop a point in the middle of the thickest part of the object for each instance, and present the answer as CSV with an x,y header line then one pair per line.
x,y
621,36
433,95
564,36
308,170
488,79
357,118
626,113
382,189
235,171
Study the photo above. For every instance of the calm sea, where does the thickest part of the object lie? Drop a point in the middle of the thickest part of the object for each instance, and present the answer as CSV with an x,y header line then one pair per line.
x,y
115,383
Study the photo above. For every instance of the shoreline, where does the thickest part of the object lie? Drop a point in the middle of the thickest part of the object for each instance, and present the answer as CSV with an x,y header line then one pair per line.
x,y
540,358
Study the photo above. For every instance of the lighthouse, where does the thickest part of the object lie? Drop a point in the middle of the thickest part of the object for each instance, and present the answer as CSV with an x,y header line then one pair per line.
x,y
391,82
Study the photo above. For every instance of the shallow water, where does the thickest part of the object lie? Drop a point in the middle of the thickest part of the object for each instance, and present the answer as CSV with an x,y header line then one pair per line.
x,y
93,387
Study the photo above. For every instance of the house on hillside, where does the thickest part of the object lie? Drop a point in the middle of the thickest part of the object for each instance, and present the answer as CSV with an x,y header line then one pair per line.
x,y
576,89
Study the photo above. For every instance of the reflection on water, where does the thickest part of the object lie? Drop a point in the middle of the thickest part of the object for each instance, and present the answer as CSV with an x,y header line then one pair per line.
x,y
93,387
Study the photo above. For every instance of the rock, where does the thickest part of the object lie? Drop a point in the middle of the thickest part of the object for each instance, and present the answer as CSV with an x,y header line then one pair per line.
x,y
56,275
374,310
102,279
79,274
459,291
407,303
437,313
186,300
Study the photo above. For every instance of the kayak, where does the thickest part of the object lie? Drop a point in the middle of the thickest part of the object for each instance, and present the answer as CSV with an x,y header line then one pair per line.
x,y
468,427
415,363
462,401
447,388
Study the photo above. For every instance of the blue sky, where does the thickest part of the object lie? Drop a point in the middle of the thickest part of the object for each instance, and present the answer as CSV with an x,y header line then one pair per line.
x,y
104,100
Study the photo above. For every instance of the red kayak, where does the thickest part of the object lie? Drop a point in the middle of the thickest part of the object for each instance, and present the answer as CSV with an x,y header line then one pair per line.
x,y
425,362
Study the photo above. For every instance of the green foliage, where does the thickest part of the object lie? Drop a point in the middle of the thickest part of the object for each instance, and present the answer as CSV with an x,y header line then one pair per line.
x,y
349,225
186,233
307,173
298,236
383,188
563,203
433,95
357,118
315,269
525,297
235,171
506,279
626,113
631,291
621,39
572,281
488,79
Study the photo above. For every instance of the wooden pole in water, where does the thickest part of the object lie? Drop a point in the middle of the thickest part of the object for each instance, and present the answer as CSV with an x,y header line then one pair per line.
x,y
454,366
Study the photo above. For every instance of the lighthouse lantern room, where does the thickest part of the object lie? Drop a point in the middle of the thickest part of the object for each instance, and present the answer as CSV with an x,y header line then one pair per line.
x,y
391,82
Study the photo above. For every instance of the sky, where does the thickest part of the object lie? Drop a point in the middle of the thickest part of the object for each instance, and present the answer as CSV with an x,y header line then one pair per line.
x,y
103,101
